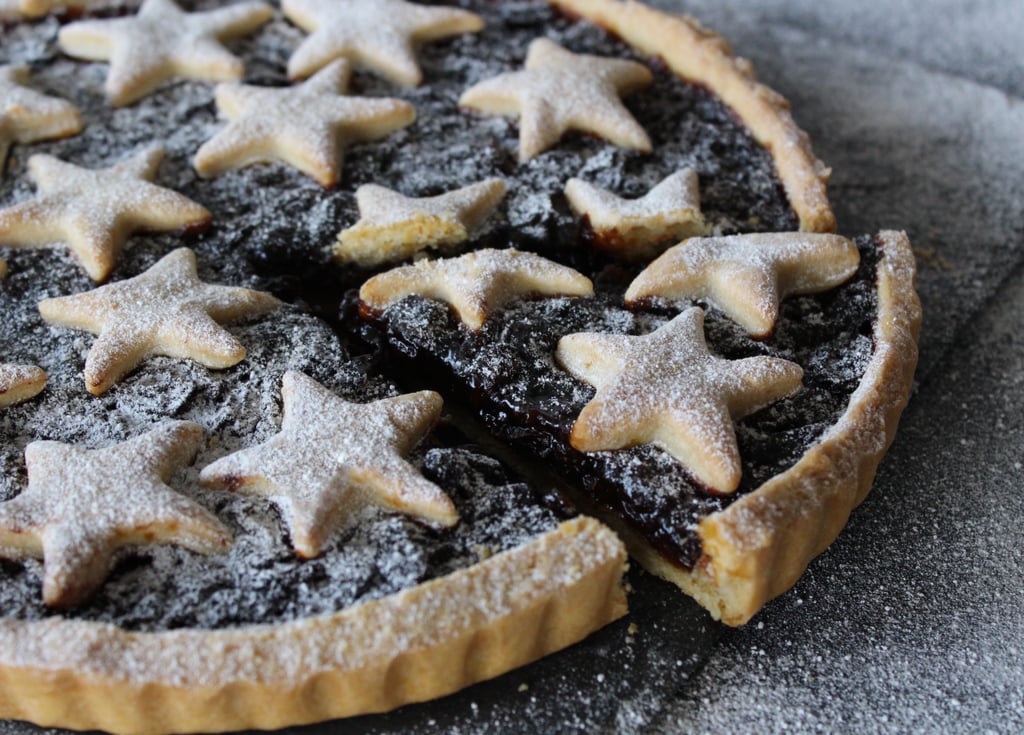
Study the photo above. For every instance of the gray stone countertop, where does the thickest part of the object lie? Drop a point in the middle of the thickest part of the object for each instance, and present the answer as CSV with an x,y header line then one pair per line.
x,y
913,621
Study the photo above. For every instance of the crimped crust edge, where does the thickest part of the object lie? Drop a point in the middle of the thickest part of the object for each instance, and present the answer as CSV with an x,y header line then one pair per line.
x,y
415,645
759,546
703,57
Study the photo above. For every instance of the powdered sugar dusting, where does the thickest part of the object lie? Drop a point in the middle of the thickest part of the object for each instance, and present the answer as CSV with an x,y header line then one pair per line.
x,y
82,504
27,115
377,34
561,91
306,126
748,275
671,210
666,388
476,284
161,41
94,211
331,456
165,311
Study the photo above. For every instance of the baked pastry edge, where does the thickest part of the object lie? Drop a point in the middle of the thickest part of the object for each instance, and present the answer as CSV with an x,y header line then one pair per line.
x,y
414,645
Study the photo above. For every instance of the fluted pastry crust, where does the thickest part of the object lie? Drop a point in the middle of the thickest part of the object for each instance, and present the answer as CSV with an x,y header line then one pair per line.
x,y
703,57
759,546
411,646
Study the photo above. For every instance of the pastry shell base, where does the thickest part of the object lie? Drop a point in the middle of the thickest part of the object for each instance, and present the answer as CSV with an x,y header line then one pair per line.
x,y
414,645
759,546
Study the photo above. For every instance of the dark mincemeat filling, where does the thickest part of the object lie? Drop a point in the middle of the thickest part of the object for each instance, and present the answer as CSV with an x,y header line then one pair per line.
x,y
272,227
448,147
507,372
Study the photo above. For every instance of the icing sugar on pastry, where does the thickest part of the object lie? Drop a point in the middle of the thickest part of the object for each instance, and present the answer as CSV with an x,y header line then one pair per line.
x,y
27,116
19,383
83,504
561,91
477,283
746,276
94,211
666,388
393,227
166,310
161,42
636,227
332,456
305,126
374,34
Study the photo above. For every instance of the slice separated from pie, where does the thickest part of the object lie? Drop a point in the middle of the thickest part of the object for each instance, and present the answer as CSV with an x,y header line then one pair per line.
x,y
726,456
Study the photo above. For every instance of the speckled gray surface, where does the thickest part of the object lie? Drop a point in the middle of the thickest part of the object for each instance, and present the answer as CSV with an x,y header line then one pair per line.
x,y
913,620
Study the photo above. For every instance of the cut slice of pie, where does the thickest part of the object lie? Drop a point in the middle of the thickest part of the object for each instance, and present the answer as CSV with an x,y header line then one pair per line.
x,y
727,461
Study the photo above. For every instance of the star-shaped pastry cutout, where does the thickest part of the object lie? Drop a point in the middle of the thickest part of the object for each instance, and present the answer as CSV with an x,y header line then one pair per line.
x,y
476,284
166,310
19,383
636,228
161,42
561,91
27,116
393,227
82,504
94,211
746,276
665,388
333,457
306,126
373,34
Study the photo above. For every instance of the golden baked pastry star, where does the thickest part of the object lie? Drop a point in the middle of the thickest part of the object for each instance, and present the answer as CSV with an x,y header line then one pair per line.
x,y
161,42
333,457
306,126
477,283
94,211
746,276
665,388
166,310
19,383
373,34
636,227
27,116
561,91
393,227
82,504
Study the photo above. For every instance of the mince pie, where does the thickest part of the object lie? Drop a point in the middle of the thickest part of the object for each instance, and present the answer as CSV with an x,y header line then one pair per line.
x,y
309,261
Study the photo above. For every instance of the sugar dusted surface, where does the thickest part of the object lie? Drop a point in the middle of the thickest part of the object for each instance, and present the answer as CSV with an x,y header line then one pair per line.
x,y
378,34
333,456
161,41
285,223
477,283
259,579
668,389
559,91
306,125
509,372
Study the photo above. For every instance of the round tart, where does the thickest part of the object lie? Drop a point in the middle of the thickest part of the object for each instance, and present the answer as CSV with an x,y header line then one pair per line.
x,y
255,256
